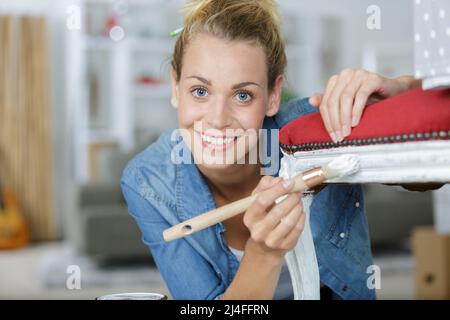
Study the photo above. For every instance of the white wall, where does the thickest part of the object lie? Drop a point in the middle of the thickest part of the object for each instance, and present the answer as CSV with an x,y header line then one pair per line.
x,y
393,42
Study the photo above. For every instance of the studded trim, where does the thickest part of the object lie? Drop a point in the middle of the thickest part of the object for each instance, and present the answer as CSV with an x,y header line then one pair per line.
x,y
422,136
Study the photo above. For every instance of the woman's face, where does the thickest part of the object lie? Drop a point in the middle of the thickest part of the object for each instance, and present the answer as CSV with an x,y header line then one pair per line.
x,y
222,98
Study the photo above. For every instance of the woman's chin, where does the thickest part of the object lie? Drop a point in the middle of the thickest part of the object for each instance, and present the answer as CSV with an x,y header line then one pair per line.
x,y
215,159
214,166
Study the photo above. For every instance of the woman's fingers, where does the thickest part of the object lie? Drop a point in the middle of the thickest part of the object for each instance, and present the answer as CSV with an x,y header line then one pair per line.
x,y
334,103
346,96
265,200
324,112
272,219
286,225
368,87
316,100
272,225
291,239
347,100
265,183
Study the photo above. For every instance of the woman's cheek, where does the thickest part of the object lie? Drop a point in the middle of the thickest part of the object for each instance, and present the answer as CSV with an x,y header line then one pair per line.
x,y
252,119
187,115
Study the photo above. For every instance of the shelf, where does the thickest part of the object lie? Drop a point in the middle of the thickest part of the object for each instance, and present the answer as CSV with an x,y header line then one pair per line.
x,y
162,91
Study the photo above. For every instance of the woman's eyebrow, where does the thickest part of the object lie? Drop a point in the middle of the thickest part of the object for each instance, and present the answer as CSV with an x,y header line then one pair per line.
x,y
200,79
236,86
244,84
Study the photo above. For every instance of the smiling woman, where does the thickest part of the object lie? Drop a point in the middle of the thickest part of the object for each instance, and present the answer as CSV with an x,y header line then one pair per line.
x,y
227,76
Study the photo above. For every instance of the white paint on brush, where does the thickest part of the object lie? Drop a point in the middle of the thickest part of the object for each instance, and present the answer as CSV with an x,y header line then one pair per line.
x,y
344,165
406,162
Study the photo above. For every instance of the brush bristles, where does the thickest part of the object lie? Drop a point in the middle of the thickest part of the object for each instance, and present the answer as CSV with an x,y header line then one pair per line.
x,y
344,165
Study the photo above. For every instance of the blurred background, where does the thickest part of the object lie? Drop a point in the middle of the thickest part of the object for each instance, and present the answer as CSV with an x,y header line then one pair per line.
x,y
84,87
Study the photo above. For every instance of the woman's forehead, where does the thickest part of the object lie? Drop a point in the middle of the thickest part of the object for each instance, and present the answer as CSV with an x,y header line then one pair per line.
x,y
219,58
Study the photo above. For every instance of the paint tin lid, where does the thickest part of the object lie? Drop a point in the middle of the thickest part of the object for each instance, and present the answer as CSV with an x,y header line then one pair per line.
x,y
133,296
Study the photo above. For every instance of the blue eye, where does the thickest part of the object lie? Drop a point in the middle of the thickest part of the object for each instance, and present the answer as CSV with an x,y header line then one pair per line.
x,y
244,96
200,92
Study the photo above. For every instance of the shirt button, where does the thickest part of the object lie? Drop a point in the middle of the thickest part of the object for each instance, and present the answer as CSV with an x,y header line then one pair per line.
x,y
357,204
342,235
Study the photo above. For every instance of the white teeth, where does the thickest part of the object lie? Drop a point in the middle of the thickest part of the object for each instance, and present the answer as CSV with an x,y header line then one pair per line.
x,y
216,141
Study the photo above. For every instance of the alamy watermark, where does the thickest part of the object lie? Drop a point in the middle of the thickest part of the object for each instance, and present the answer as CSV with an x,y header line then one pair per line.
x,y
234,146
73,20
374,280
373,21
73,281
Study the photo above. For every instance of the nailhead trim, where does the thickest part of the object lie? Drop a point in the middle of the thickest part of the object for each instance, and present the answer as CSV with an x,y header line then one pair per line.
x,y
360,142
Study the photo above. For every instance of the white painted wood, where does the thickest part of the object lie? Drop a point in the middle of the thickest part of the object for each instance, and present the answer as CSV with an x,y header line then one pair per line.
x,y
427,161
302,261
408,162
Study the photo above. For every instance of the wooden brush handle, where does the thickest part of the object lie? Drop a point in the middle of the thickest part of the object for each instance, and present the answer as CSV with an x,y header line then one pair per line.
x,y
208,219
225,212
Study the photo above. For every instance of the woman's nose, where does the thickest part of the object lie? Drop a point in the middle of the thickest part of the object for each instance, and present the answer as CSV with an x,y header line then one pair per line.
x,y
219,115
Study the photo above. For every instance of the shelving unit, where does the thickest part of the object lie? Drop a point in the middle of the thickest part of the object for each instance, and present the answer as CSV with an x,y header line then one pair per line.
x,y
123,82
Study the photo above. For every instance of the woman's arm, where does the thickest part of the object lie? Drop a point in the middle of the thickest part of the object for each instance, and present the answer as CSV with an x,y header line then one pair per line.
x,y
257,276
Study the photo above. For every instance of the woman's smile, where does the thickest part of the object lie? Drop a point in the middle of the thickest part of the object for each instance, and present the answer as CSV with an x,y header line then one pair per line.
x,y
215,142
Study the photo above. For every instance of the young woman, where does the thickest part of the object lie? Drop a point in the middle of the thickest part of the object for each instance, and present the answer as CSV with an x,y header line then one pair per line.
x,y
227,79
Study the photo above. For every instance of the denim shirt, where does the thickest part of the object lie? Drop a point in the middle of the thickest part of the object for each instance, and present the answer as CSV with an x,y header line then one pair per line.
x,y
160,194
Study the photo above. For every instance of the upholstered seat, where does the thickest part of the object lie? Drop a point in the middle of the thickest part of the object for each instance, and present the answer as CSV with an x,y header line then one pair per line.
x,y
402,139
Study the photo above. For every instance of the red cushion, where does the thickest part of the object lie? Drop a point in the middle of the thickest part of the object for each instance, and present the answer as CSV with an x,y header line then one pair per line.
x,y
411,116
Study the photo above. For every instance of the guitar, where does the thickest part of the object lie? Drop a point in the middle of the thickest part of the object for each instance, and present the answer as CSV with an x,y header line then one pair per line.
x,y
14,232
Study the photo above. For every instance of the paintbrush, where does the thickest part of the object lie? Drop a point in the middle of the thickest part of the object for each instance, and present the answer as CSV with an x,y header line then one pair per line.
x,y
341,166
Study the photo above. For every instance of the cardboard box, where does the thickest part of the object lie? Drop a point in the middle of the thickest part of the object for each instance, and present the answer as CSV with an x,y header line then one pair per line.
x,y
432,259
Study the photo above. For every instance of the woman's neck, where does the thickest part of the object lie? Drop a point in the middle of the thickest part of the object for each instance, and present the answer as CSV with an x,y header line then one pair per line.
x,y
233,182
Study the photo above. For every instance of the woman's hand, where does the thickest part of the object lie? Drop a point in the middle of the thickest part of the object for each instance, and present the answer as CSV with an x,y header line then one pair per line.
x,y
347,94
274,228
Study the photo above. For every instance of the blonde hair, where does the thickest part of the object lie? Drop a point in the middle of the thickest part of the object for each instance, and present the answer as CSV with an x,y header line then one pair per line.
x,y
253,21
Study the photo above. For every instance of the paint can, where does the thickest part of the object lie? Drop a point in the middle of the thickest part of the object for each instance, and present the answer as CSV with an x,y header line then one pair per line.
x,y
133,296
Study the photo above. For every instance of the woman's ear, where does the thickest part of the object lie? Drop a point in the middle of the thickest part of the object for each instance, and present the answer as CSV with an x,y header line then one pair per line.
x,y
275,97
174,84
